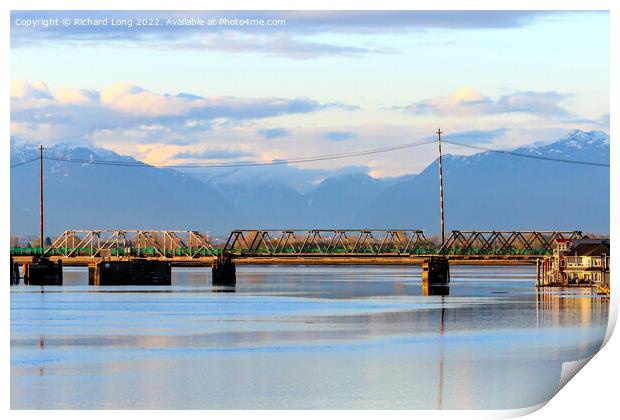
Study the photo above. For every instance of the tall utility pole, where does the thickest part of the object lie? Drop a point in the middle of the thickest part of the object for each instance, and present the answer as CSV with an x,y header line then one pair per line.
x,y
41,196
440,187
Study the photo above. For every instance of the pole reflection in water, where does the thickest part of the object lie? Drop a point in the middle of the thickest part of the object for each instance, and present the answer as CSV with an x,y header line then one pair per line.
x,y
441,355
223,289
435,290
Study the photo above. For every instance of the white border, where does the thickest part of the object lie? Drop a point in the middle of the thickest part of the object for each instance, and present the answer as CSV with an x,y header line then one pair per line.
x,y
591,395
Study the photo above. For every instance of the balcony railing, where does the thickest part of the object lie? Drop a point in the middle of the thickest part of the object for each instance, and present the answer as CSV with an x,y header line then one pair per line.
x,y
586,262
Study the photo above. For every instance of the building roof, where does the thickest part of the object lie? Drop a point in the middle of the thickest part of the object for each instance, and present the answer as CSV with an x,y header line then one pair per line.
x,y
589,247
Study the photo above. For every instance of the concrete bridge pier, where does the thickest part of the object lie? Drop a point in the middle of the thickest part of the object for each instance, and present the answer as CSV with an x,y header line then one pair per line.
x,y
224,272
135,272
14,272
435,276
43,272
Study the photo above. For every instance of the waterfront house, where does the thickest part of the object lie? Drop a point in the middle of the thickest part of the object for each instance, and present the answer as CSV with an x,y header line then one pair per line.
x,y
578,262
586,261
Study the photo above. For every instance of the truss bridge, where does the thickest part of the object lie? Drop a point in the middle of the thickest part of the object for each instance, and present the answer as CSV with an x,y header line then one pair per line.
x,y
84,245
327,242
495,242
297,246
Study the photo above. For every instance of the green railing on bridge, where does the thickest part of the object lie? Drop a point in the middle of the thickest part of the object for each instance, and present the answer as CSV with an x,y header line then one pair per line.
x,y
202,252
495,251
394,251
26,251
116,252
335,251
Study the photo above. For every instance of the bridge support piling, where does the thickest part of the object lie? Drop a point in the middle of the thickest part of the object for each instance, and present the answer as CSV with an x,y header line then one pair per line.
x,y
435,276
544,272
14,272
537,272
137,272
43,273
224,272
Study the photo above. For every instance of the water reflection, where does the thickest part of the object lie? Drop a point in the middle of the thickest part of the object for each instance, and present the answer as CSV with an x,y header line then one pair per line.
x,y
300,337
441,356
223,289
435,290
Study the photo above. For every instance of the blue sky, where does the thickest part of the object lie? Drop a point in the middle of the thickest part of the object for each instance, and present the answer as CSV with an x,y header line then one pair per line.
x,y
325,82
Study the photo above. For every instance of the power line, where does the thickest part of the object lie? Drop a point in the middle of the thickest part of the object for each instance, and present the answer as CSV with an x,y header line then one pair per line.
x,y
547,158
303,159
241,164
15,165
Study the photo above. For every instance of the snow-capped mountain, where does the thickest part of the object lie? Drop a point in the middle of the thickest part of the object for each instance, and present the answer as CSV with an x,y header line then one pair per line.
x,y
501,191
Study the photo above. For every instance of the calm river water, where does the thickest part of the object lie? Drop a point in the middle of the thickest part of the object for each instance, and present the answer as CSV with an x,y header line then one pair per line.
x,y
291,337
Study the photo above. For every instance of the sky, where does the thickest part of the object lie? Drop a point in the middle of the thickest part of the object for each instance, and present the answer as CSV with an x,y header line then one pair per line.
x,y
314,83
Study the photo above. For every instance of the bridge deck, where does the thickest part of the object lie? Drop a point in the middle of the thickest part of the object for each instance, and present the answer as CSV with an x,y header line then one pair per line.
x,y
312,259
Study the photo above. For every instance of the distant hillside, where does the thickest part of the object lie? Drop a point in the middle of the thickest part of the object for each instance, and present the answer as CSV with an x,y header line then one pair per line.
x,y
490,190
482,191
83,196
337,200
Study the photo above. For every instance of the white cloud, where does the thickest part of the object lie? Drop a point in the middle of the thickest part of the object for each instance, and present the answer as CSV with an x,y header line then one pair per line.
x,y
75,96
133,100
123,106
36,90
468,102
158,127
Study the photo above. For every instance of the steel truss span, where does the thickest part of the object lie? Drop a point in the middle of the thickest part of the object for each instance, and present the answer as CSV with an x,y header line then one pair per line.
x,y
496,242
293,242
191,244
139,243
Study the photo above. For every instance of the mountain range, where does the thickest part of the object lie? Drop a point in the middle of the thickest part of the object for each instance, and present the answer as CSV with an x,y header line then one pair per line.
x,y
482,191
